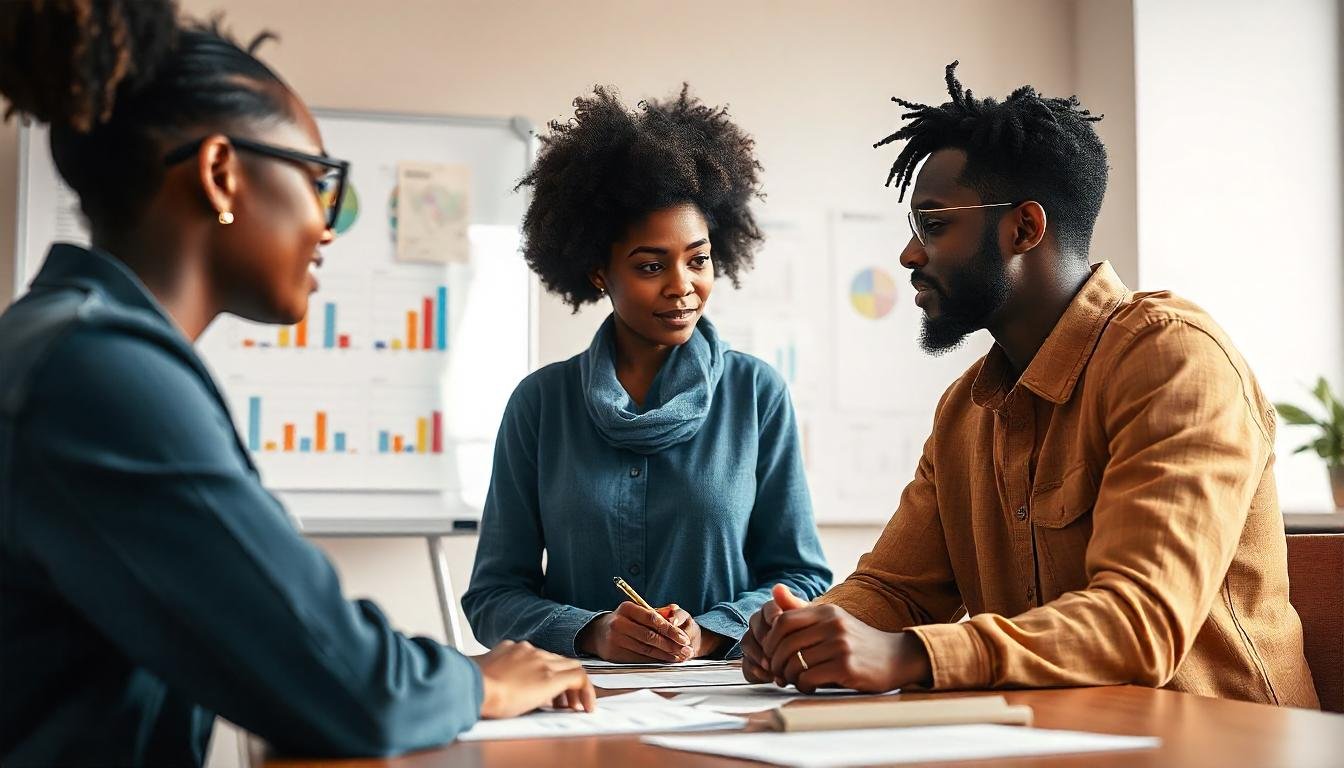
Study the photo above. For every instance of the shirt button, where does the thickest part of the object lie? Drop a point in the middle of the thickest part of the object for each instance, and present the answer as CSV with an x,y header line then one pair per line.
x,y
1021,513
634,569
634,471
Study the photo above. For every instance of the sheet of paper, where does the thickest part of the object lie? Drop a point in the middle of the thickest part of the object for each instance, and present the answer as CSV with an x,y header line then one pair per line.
x,y
677,678
836,749
603,664
433,212
637,712
745,699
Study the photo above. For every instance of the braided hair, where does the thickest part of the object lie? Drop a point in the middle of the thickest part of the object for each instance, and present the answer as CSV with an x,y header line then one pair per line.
x,y
609,166
118,80
1027,147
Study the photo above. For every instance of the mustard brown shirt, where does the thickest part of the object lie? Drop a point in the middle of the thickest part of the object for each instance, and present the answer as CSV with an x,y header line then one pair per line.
x,y
1110,517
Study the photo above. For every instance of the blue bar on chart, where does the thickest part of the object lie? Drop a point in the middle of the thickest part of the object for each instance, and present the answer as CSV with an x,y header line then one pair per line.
x,y
340,442
329,327
254,423
383,441
305,445
441,319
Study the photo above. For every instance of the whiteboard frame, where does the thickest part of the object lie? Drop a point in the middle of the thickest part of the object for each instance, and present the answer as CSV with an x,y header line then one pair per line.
x,y
452,521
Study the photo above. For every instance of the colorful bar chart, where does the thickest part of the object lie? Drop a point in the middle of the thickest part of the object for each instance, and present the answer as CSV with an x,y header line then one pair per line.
x,y
427,437
291,441
425,327
296,336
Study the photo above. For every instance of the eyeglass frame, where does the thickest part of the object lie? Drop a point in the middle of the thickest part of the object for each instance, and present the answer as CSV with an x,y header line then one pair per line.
x,y
915,228
342,167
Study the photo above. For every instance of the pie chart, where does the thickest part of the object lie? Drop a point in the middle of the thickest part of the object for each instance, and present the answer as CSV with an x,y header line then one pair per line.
x,y
873,293
349,209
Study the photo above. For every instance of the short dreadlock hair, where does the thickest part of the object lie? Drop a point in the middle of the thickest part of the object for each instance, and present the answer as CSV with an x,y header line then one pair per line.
x,y
1027,147
608,167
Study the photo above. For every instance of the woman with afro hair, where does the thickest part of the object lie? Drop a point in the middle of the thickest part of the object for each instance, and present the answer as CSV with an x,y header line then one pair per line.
x,y
657,454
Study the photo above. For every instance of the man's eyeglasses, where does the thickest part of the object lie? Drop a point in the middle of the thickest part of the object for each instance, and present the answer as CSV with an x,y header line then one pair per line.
x,y
330,186
916,217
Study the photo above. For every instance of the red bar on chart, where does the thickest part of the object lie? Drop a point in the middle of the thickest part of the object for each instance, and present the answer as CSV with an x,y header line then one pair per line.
x,y
289,437
412,327
428,341
345,341
438,432
320,435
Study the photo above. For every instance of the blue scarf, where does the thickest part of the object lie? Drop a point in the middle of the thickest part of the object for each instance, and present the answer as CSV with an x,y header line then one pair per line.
x,y
679,398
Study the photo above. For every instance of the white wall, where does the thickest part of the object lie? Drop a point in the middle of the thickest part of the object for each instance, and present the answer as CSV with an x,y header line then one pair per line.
x,y
1239,181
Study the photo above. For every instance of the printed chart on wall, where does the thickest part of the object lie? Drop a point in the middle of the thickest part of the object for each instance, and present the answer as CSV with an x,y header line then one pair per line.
x,y
385,398
829,305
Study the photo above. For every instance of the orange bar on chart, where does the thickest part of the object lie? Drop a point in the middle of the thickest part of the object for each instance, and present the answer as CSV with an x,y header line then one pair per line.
x,y
301,333
289,437
283,341
398,445
428,341
320,438
249,343
411,329
421,435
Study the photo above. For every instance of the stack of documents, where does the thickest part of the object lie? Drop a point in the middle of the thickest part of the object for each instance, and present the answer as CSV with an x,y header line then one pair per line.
x,y
671,678
836,749
638,712
603,665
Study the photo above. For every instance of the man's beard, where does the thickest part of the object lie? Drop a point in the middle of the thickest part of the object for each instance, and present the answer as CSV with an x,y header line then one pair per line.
x,y
972,296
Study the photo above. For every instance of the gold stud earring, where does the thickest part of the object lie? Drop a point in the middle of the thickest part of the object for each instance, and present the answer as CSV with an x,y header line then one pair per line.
x,y
226,217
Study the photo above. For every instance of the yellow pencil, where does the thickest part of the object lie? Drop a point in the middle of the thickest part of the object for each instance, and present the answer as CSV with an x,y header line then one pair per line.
x,y
632,594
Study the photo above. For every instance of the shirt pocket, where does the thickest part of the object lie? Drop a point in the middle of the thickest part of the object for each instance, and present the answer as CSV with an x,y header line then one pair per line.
x,y
1059,503
1061,516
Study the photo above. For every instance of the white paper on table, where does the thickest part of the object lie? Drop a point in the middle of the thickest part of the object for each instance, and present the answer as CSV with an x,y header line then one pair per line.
x,y
675,678
603,664
836,749
745,699
637,712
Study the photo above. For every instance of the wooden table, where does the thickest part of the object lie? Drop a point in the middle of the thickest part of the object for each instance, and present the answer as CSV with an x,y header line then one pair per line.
x,y
1314,522
1195,731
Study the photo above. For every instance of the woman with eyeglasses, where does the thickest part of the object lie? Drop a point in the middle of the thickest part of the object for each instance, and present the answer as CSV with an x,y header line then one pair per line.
x,y
658,455
147,580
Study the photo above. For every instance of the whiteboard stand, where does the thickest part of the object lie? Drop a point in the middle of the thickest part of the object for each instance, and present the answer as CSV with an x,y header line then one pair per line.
x,y
432,531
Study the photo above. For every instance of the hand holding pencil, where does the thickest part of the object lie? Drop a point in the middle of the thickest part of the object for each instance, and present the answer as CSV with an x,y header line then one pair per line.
x,y
638,632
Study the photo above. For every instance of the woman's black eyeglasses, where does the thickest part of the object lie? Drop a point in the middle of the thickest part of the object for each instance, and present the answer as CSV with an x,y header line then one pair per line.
x,y
330,186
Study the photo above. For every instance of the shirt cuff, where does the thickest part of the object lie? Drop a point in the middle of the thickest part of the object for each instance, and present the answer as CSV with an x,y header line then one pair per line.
x,y
722,620
560,631
957,655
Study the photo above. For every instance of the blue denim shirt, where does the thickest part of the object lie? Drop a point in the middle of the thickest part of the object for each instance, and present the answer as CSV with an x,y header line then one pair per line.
x,y
711,523
148,581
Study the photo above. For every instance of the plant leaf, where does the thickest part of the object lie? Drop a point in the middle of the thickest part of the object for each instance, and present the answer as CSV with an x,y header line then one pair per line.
x,y
1322,393
1294,415
1322,446
1303,448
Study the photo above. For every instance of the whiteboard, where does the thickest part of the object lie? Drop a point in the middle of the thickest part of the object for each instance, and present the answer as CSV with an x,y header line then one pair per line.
x,y
830,307
352,420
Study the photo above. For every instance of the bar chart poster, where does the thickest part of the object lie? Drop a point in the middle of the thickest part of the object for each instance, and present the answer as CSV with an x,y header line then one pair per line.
x,y
394,381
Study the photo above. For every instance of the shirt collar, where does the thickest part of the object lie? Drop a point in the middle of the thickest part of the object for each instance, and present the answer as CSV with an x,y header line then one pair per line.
x,y
1054,371
90,268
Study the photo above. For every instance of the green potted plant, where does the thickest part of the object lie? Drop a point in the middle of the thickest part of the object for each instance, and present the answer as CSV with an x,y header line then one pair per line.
x,y
1330,444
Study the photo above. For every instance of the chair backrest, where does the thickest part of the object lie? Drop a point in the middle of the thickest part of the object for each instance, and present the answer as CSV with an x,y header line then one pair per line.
x,y
1316,590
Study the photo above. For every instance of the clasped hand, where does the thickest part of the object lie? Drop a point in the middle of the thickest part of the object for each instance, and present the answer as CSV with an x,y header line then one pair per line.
x,y
791,641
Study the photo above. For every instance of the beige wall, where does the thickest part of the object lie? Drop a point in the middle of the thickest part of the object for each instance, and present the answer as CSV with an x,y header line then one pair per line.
x,y
810,79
